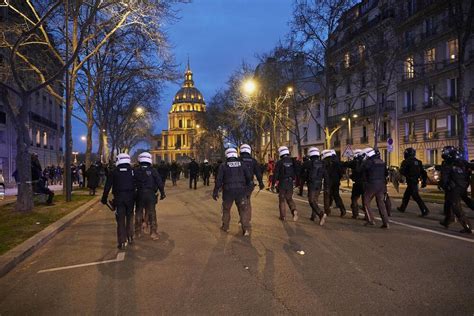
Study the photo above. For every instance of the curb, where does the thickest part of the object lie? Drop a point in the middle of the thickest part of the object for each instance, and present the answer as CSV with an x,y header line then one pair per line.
x,y
13,257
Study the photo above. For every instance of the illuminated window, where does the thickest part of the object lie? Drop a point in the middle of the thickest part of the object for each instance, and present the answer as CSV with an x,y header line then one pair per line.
x,y
452,49
409,68
347,60
430,58
192,96
45,139
38,137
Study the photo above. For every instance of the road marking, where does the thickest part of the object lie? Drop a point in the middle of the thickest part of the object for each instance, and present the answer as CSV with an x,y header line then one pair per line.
x,y
427,230
120,257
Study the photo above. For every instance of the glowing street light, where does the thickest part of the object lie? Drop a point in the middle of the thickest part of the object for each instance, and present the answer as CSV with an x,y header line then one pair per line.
x,y
83,138
139,110
249,86
289,89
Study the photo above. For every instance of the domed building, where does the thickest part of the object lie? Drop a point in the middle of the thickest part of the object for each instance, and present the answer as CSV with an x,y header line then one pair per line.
x,y
184,124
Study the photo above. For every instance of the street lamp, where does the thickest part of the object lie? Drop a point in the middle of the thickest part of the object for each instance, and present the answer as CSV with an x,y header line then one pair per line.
x,y
83,138
289,89
139,110
349,125
250,86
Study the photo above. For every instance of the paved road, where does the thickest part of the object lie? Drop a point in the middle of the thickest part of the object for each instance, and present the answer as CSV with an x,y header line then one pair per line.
x,y
195,268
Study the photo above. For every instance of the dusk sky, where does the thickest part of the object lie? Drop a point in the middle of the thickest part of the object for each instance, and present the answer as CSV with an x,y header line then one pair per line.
x,y
217,35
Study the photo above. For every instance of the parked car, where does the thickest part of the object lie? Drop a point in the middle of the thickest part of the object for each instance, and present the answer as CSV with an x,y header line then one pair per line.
x,y
433,173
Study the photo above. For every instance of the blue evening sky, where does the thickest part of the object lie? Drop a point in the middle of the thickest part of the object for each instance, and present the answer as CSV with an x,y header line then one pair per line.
x,y
217,35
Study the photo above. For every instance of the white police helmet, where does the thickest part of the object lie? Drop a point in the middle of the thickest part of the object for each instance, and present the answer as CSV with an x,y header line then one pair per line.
x,y
122,159
369,152
283,150
206,161
245,149
145,157
327,153
357,153
231,153
313,151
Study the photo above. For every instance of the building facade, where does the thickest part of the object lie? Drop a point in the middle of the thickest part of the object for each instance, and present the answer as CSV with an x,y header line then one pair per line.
x,y
46,113
397,71
179,141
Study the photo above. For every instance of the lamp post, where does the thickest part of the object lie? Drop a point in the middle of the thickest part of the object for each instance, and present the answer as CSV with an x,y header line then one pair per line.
x,y
349,125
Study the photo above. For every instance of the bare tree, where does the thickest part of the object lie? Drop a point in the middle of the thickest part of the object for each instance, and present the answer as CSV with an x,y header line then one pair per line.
x,y
33,63
313,23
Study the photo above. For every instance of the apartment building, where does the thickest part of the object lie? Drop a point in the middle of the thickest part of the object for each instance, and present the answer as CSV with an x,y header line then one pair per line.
x,y
428,90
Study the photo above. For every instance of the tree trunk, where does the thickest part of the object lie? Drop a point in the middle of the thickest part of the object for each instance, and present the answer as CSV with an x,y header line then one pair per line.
x,y
24,202
90,125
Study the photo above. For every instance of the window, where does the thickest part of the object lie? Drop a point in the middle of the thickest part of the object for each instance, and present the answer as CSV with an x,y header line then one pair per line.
x,y
305,134
430,91
318,110
453,125
3,117
180,123
432,156
318,131
430,125
429,26
410,128
411,7
430,59
385,155
38,138
409,38
452,49
347,60
453,89
409,68
2,136
45,139
409,98
386,128
189,124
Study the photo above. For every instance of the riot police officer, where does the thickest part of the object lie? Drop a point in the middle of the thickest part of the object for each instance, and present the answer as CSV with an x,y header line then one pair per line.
x,y
206,172
148,182
254,168
315,174
454,182
335,171
193,168
374,172
122,182
285,174
413,171
235,181
163,171
357,181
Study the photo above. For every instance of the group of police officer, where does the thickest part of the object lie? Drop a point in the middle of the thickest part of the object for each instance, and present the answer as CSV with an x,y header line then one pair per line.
x,y
134,188
323,171
137,188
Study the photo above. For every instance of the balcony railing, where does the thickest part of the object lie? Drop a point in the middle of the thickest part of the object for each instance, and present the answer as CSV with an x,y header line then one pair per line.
x,y
364,140
430,104
410,108
367,111
430,135
409,138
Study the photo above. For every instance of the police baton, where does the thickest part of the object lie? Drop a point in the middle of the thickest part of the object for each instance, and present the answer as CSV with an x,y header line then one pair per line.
x,y
110,204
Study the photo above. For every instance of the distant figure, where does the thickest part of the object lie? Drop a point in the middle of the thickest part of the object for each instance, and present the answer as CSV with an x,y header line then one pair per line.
x,y
163,170
206,172
93,178
38,181
174,172
193,173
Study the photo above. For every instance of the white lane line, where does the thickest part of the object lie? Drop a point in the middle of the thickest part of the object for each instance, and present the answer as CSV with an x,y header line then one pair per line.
x,y
120,257
427,230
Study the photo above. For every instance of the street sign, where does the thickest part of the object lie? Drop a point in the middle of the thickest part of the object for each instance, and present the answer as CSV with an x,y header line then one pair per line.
x,y
389,148
389,141
347,152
